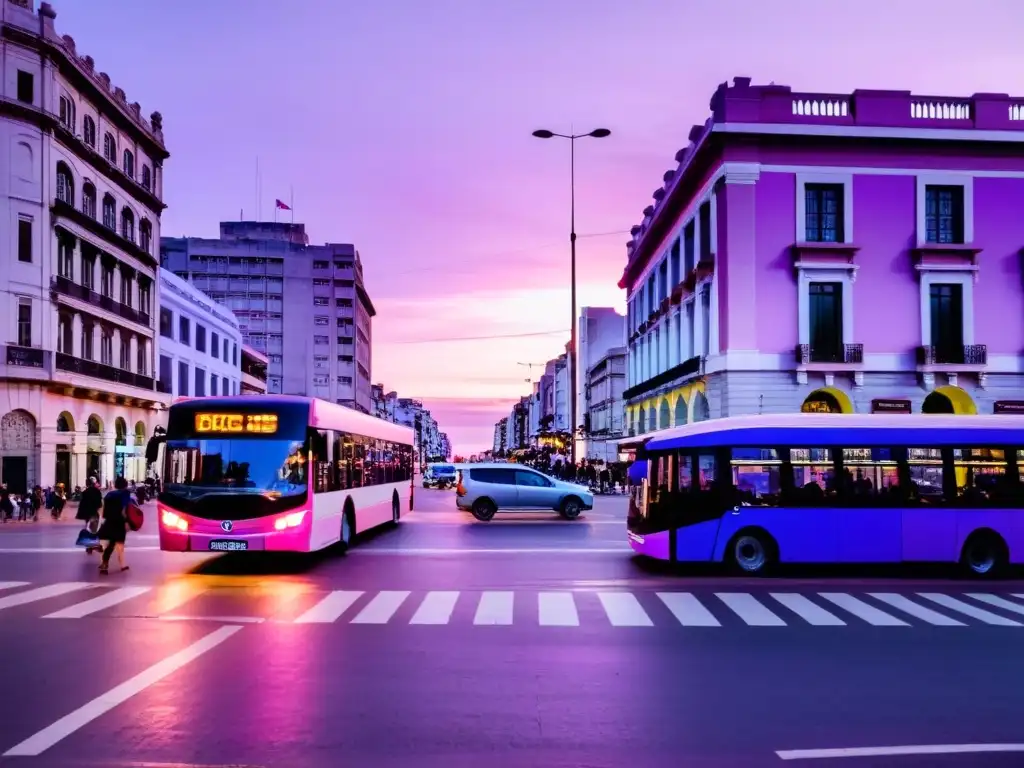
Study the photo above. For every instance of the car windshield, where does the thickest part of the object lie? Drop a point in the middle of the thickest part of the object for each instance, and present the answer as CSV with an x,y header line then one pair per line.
x,y
196,467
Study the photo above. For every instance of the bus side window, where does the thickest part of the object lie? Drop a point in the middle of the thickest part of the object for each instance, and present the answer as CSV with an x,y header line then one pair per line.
x,y
981,477
871,477
756,476
926,476
341,461
320,459
814,481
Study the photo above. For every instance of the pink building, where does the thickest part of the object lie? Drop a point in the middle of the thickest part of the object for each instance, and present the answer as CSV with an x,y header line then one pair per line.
x,y
843,252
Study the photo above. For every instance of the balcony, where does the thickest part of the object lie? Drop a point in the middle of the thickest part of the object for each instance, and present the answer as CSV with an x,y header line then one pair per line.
x,y
25,363
839,354
63,210
685,370
101,371
969,356
68,288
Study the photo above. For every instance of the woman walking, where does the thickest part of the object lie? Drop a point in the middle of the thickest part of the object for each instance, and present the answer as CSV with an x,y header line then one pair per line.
x,y
114,529
89,509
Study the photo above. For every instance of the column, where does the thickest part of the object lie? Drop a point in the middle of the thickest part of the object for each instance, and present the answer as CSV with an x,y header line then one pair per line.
x,y
76,334
133,354
736,260
97,338
116,353
79,468
107,457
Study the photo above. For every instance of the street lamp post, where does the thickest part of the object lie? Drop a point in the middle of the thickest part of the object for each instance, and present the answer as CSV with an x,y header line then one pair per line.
x,y
597,133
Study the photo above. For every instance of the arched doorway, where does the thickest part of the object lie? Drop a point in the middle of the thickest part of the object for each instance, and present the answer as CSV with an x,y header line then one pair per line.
x,y
641,427
65,437
701,409
120,445
94,447
827,400
949,399
17,451
663,415
680,411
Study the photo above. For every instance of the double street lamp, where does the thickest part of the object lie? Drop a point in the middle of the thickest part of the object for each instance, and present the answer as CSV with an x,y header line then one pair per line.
x,y
597,133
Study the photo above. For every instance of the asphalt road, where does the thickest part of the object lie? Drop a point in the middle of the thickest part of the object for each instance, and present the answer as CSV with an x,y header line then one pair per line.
x,y
527,641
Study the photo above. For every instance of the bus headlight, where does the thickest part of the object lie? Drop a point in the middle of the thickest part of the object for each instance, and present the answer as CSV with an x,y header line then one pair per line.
x,y
293,520
171,520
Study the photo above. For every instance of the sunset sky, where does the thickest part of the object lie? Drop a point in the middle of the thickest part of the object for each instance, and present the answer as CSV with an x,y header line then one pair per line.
x,y
404,127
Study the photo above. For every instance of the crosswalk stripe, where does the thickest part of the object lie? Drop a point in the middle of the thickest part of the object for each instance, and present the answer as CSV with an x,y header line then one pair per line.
x,y
901,603
43,593
953,604
862,610
557,609
330,608
115,597
810,612
747,607
624,610
436,608
381,608
688,610
998,602
12,584
495,608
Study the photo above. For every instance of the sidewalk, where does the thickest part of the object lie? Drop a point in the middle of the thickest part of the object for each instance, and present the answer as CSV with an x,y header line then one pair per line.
x,y
68,515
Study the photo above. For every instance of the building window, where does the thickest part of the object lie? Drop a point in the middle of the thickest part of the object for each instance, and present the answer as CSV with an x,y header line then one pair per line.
x,y
26,87
65,184
213,384
705,231
674,265
200,378
166,322
826,322
224,388
689,239
107,346
145,235
88,265
183,379
109,213
107,281
25,239
145,296
947,322
24,322
321,264
214,344
147,178
140,361
346,380
110,148
126,354
705,319
321,320
126,289
320,301
184,331
234,354
64,338
89,200
88,353
67,113
200,338
823,213
128,225
66,257
129,164
89,131
321,340
944,214
165,374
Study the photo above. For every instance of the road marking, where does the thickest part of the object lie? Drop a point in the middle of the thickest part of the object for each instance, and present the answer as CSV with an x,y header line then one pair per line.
x,y
810,612
436,608
862,610
624,610
495,608
108,600
688,610
52,734
218,619
749,609
959,605
557,609
381,608
491,551
918,611
330,608
998,602
44,593
13,584
919,749
172,596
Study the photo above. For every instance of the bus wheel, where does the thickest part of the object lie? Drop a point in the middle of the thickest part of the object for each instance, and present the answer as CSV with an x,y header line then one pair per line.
x,y
483,510
348,527
984,555
396,509
752,553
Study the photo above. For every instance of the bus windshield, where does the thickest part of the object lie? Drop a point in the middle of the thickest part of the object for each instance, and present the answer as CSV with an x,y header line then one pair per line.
x,y
197,467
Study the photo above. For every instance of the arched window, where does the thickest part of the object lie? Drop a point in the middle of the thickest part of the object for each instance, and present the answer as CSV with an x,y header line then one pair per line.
x,y
129,164
127,224
89,131
64,422
94,427
65,184
110,148
109,212
64,338
147,177
67,113
89,200
145,235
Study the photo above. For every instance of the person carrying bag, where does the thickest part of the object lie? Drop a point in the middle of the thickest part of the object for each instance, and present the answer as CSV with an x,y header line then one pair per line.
x,y
89,512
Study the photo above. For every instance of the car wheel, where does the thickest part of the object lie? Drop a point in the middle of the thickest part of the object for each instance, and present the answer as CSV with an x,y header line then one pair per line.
x,y
483,510
571,508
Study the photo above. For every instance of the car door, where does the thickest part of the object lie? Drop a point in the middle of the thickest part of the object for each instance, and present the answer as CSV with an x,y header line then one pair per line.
x,y
498,484
535,490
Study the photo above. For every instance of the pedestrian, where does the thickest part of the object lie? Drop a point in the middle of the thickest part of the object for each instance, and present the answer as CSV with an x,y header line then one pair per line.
x,y
114,529
89,508
59,499
6,505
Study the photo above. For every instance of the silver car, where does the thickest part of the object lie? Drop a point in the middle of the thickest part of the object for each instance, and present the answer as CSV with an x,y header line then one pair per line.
x,y
483,489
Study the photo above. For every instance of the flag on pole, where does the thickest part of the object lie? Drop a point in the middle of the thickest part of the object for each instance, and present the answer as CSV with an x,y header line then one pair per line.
x,y
278,205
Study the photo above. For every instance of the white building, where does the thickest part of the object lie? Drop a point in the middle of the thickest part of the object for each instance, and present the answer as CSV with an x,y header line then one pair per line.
x,y
500,436
200,344
81,188
600,329
604,420
562,389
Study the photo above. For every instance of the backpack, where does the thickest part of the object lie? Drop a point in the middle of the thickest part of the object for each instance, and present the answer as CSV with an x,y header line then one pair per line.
x,y
133,514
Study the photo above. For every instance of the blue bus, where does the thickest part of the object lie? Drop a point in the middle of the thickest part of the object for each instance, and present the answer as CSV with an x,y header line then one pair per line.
x,y
754,491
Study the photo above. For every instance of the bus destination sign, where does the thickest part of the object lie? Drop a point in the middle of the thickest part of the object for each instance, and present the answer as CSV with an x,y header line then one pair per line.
x,y
236,423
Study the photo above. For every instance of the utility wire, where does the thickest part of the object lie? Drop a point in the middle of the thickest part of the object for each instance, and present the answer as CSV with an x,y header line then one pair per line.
x,y
445,340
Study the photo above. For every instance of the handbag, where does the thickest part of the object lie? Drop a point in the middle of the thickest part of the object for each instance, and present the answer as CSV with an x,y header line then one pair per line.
x,y
93,526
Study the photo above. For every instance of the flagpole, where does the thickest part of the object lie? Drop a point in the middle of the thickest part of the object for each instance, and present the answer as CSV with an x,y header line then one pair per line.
x,y
258,208
291,202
